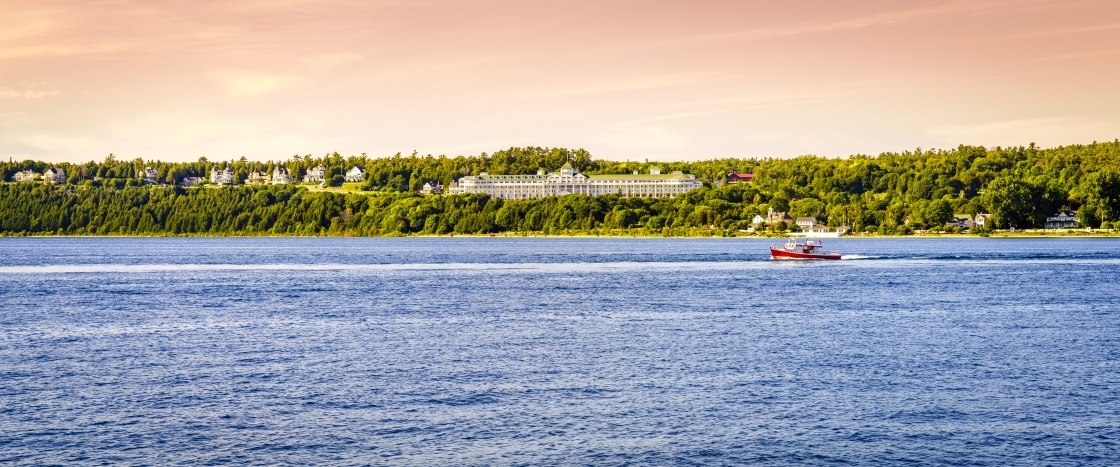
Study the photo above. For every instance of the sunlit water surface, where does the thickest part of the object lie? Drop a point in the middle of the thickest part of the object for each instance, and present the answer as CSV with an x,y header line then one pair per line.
x,y
558,351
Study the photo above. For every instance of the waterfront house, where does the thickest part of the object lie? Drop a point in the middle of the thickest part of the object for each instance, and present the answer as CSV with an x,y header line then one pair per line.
x,y
24,176
431,188
315,175
221,177
258,178
757,219
355,174
773,217
963,221
980,219
148,175
733,177
816,229
280,176
54,175
1063,220
806,222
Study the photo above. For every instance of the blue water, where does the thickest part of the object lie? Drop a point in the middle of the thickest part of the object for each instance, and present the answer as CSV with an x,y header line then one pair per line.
x,y
558,351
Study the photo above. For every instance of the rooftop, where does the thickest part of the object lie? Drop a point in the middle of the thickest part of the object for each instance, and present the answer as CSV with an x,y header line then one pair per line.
x,y
675,176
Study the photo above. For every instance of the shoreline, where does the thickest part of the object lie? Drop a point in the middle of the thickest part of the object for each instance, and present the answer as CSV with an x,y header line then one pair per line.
x,y
1062,235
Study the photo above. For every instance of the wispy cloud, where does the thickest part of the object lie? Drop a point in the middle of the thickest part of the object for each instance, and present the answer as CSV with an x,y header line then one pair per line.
x,y
1048,33
250,83
1044,130
13,118
830,24
644,137
26,94
1077,55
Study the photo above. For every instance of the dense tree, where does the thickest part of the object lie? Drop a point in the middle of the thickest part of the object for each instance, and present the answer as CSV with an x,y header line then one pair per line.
x,y
890,193
1101,194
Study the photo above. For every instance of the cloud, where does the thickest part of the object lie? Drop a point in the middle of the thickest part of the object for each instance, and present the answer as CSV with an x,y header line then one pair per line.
x,y
12,118
238,82
61,143
249,83
319,63
29,94
1045,131
831,24
653,138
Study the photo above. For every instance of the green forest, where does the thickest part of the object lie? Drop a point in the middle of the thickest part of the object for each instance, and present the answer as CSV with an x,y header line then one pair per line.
x,y
888,194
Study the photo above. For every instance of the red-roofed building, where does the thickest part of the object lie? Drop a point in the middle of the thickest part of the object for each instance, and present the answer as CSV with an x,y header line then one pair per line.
x,y
733,177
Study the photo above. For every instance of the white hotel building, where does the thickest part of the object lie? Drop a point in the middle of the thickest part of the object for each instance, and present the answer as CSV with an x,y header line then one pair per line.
x,y
568,181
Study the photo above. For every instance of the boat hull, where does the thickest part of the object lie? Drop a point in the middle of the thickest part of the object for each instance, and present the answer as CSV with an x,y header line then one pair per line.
x,y
778,253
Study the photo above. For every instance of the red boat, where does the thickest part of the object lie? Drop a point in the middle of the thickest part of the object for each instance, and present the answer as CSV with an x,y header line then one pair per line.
x,y
811,249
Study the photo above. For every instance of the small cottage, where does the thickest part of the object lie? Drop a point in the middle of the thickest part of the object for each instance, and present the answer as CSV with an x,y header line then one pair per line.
x,y
191,181
355,174
817,229
733,177
431,188
806,222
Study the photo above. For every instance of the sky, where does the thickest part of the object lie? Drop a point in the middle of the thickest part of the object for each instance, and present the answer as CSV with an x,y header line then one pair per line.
x,y
626,80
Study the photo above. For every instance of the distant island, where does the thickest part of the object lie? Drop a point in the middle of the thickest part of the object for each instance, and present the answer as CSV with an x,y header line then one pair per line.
x,y
556,191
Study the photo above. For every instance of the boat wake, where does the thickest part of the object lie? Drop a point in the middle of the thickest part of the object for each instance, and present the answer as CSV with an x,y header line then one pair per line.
x,y
858,257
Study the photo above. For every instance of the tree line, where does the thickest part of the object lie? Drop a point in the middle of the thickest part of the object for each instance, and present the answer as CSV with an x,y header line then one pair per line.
x,y
892,193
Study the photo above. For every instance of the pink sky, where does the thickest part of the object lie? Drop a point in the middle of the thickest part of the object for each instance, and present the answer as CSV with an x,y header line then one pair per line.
x,y
694,80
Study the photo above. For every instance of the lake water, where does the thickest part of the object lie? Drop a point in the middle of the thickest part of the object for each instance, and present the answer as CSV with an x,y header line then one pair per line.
x,y
500,351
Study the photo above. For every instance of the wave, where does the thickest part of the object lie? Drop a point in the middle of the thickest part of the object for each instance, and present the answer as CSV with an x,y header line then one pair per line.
x,y
852,260
562,267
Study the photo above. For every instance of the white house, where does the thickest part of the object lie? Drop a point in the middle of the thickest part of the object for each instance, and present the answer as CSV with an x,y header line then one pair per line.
x,y
806,222
569,181
1062,220
54,175
280,176
315,175
355,174
980,219
431,188
819,231
816,229
24,176
148,175
757,219
221,177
